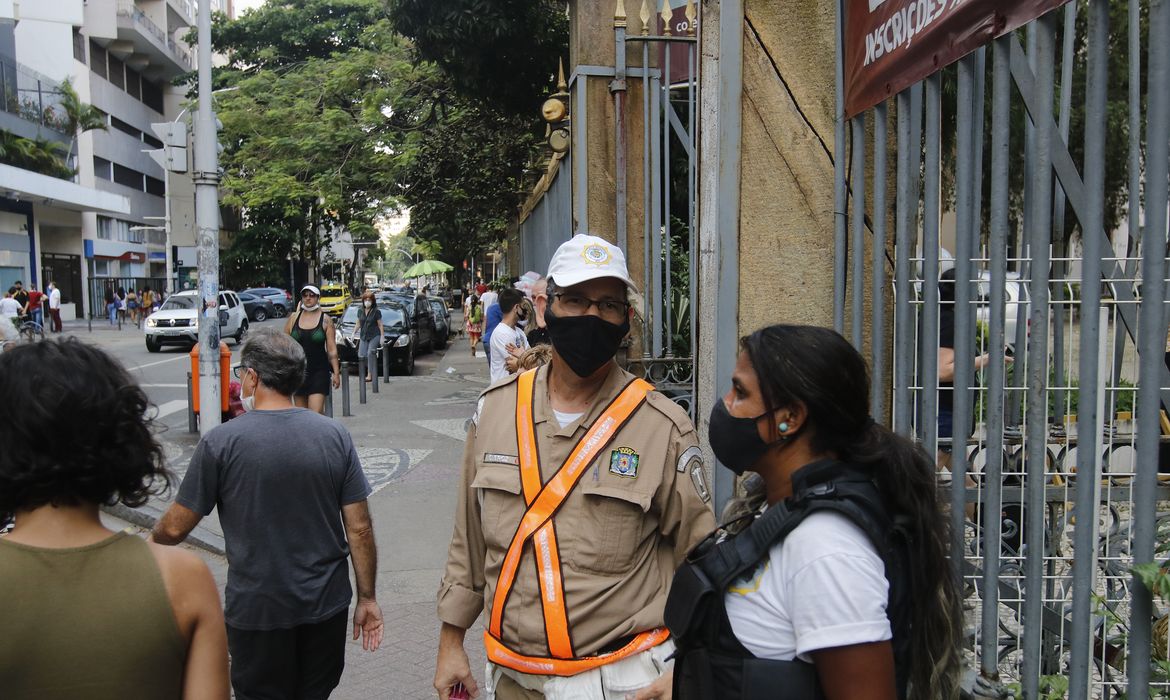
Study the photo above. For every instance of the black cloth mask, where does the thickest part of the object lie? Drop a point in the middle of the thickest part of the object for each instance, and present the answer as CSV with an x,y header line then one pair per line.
x,y
586,342
736,441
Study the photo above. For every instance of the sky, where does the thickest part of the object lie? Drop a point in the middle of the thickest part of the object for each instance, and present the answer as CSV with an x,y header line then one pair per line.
x,y
241,5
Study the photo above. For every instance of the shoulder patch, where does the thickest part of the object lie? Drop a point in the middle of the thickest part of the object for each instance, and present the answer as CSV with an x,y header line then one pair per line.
x,y
676,413
684,460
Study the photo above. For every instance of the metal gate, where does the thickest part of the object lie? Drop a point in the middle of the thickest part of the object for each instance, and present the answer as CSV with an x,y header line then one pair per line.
x,y
665,35
1060,491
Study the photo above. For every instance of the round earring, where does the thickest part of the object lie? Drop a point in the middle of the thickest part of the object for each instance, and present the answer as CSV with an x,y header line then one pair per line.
x,y
783,428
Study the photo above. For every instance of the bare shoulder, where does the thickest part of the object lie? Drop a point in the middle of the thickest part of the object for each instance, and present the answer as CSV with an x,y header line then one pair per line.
x,y
671,411
178,564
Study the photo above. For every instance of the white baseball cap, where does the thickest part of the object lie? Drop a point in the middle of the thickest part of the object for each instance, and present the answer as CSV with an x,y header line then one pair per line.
x,y
310,288
584,257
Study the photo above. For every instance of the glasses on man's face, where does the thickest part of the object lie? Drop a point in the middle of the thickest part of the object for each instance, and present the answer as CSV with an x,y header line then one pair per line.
x,y
611,310
238,371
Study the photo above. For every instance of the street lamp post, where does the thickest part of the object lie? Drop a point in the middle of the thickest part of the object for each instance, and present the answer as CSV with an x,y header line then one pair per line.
x,y
206,177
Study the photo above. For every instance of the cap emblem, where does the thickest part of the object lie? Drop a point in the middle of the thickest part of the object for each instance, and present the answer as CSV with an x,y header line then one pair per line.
x,y
595,254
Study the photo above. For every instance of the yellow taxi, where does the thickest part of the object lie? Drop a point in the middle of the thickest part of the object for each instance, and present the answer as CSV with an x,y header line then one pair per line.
x,y
334,299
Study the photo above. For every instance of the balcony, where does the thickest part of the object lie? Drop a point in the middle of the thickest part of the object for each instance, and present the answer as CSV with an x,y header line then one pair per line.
x,y
30,103
147,39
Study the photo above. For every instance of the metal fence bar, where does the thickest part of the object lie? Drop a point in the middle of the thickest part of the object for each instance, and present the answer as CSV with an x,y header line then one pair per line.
x,y
993,477
1088,428
1152,334
667,108
1036,422
963,320
857,247
903,338
928,348
658,177
692,219
877,347
1058,208
840,223
647,196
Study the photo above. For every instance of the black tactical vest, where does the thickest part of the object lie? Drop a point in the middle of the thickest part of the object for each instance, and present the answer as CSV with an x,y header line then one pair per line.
x,y
710,662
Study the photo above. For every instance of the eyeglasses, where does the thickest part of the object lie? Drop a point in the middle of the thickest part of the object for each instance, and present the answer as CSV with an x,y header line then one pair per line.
x,y
306,295
238,371
609,309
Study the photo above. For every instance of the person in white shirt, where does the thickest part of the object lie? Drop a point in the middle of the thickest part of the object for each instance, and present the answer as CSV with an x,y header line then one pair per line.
x,y
55,307
508,341
9,312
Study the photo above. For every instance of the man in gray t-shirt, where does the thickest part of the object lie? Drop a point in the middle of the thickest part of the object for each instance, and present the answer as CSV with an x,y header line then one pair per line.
x,y
292,502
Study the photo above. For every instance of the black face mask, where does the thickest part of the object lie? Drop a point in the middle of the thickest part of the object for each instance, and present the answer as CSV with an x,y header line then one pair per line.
x,y
736,441
584,342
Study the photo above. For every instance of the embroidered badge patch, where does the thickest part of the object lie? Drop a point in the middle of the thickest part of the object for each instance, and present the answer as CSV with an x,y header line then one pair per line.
x,y
496,458
624,462
595,255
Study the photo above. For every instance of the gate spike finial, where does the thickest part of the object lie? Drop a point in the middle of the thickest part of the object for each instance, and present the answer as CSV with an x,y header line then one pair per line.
x,y
645,16
562,86
667,15
692,15
619,14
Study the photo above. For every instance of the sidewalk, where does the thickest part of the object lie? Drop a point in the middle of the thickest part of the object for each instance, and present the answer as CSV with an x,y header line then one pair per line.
x,y
409,437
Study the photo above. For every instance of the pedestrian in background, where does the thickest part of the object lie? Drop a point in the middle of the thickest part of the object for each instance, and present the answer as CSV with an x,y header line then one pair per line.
x,y
292,503
86,612
508,341
313,329
589,558
111,305
370,333
21,297
132,305
537,328
831,580
34,311
55,306
474,321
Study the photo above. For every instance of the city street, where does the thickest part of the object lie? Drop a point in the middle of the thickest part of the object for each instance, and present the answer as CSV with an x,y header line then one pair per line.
x,y
410,440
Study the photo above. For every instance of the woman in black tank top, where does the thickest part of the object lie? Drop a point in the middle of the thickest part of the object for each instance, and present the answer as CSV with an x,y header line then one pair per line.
x,y
310,327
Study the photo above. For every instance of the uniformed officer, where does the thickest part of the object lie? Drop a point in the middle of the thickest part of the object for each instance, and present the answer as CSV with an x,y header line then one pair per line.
x,y
582,490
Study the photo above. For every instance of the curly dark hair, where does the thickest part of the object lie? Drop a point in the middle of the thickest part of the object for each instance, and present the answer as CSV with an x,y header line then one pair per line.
x,y
820,369
75,430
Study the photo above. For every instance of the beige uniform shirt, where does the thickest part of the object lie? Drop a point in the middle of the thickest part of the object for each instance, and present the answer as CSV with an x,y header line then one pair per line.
x,y
621,532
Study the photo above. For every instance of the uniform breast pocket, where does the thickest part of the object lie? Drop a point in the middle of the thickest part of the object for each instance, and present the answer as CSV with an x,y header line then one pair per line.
x,y
615,532
500,504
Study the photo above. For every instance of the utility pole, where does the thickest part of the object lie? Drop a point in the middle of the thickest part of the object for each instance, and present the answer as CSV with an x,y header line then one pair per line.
x,y
206,179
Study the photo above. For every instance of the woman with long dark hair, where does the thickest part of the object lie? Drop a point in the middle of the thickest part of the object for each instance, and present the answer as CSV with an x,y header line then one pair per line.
x,y
830,579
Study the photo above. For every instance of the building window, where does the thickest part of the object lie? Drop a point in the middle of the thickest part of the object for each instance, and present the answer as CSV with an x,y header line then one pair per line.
x,y
101,268
105,229
152,96
151,141
97,58
78,45
128,177
102,168
133,84
117,72
155,186
125,128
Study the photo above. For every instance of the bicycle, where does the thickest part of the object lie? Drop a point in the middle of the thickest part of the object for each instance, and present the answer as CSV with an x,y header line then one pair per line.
x,y
31,331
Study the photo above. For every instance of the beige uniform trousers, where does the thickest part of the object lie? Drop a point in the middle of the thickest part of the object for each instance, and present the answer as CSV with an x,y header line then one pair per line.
x,y
614,681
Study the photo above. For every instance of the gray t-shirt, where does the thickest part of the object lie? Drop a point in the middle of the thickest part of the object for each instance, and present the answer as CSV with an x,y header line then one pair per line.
x,y
279,479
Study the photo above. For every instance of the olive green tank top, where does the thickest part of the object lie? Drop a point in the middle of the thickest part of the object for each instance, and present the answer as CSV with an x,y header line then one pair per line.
x,y
88,623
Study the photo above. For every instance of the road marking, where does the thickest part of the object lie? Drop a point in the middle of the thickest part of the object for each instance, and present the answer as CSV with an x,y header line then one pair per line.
x,y
160,362
454,428
170,407
163,386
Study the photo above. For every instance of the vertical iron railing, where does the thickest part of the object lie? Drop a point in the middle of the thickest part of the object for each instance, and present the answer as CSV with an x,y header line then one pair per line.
x,y
1058,485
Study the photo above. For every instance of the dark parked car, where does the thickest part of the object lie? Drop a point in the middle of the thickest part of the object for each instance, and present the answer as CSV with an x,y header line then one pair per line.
x,y
442,316
258,308
282,300
422,321
396,337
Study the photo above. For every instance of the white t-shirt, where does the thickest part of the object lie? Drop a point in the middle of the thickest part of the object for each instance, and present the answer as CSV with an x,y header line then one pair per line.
x,y
9,307
824,586
564,419
502,336
487,300
55,298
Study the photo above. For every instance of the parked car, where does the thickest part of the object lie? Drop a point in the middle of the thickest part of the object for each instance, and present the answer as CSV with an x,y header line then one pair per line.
x,y
442,318
422,321
177,320
258,308
396,338
334,299
282,299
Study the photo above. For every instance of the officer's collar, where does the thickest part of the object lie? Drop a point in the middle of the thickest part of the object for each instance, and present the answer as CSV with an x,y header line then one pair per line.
x,y
613,384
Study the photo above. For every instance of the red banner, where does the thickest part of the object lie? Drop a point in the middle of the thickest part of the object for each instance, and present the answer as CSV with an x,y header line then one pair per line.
x,y
892,44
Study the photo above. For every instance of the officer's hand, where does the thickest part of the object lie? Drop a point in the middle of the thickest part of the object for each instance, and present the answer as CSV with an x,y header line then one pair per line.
x,y
451,668
660,689
367,621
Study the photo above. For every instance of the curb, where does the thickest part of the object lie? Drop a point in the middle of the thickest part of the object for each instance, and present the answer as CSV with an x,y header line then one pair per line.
x,y
147,515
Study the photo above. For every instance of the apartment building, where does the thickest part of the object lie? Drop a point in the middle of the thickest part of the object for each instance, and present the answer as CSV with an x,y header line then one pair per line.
x,y
121,56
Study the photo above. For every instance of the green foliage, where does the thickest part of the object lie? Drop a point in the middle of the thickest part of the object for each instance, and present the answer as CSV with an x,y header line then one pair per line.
x,y
1051,688
36,155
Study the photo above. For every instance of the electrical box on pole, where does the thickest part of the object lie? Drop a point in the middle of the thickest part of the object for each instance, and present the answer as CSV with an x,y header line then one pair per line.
x,y
173,155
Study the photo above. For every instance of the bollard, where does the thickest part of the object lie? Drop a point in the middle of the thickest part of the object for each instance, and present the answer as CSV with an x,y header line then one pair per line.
x,y
362,362
345,412
192,423
374,371
385,365
329,401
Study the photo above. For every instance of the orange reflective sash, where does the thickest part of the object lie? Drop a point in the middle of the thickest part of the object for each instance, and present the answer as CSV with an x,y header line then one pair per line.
x,y
543,501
